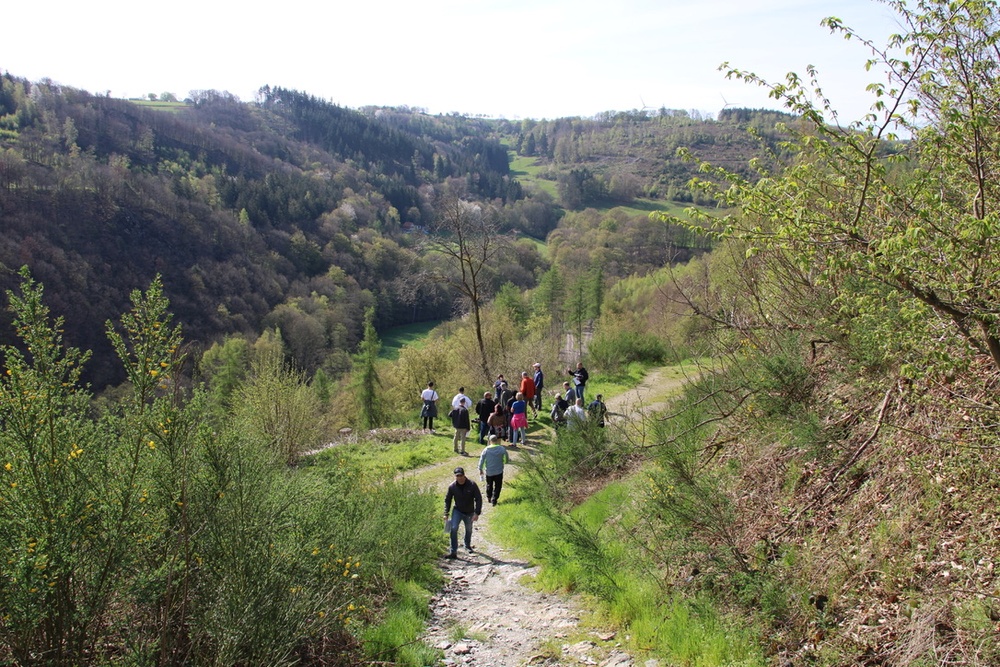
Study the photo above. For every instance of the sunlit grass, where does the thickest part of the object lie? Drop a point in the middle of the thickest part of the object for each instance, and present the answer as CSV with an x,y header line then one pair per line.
x,y
388,457
413,335
394,638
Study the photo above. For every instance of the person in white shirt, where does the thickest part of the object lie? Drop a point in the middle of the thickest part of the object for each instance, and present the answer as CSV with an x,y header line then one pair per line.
x,y
458,398
429,411
575,414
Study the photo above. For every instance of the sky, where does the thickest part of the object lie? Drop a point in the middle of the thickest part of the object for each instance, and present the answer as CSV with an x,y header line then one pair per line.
x,y
497,58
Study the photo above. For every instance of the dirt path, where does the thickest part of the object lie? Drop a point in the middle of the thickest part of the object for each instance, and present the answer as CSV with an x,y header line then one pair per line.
x,y
484,616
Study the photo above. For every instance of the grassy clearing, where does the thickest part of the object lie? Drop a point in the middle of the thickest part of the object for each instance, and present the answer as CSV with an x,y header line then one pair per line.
x,y
413,335
388,457
172,107
528,171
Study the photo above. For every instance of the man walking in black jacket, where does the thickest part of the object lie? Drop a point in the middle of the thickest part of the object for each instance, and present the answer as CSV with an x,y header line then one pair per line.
x,y
468,506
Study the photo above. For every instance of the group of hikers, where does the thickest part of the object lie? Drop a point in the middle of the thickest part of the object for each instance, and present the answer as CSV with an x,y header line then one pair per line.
x,y
502,415
503,412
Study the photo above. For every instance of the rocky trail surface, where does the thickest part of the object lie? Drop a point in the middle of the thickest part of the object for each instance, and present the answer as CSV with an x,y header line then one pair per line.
x,y
485,616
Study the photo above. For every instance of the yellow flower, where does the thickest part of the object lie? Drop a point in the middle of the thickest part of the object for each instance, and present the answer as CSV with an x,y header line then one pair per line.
x,y
8,467
152,445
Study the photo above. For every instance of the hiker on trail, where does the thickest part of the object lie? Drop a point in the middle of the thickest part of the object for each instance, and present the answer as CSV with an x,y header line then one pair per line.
x,y
460,420
429,411
539,380
559,408
468,506
528,389
580,377
498,385
459,396
492,461
484,408
576,415
598,410
507,397
498,422
519,420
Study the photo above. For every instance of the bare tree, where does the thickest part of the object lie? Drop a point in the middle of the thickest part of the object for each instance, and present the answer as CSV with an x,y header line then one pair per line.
x,y
468,236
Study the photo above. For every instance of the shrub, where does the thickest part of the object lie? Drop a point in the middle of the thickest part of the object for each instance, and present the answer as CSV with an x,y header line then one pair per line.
x,y
616,348
153,531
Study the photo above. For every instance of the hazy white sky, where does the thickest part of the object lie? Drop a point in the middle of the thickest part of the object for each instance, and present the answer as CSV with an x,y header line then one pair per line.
x,y
500,58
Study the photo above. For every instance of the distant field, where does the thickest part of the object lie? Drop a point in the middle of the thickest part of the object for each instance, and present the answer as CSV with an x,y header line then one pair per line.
x,y
543,248
395,338
172,107
647,206
525,169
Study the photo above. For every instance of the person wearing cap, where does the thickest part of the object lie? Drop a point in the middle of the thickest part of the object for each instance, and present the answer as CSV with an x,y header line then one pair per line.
x,y
468,506
539,379
492,461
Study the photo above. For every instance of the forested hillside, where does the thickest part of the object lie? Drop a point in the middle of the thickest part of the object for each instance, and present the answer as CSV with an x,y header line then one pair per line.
x,y
293,214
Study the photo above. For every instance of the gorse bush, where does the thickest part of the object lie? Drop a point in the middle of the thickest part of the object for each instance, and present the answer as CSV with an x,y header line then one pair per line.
x,y
152,531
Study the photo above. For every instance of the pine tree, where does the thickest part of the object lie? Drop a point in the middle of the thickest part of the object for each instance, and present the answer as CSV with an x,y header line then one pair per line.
x,y
368,380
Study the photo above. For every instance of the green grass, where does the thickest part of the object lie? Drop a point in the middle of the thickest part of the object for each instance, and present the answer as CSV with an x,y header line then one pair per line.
x,y
389,457
172,107
394,639
413,335
688,632
541,246
527,170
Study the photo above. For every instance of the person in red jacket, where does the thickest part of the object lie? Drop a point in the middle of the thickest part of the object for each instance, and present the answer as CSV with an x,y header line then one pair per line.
x,y
528,389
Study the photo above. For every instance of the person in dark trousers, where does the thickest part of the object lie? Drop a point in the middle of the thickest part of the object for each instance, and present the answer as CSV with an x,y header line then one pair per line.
x,y
468,506
429,410
492,461
580,377
484,408
539,379
460,420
